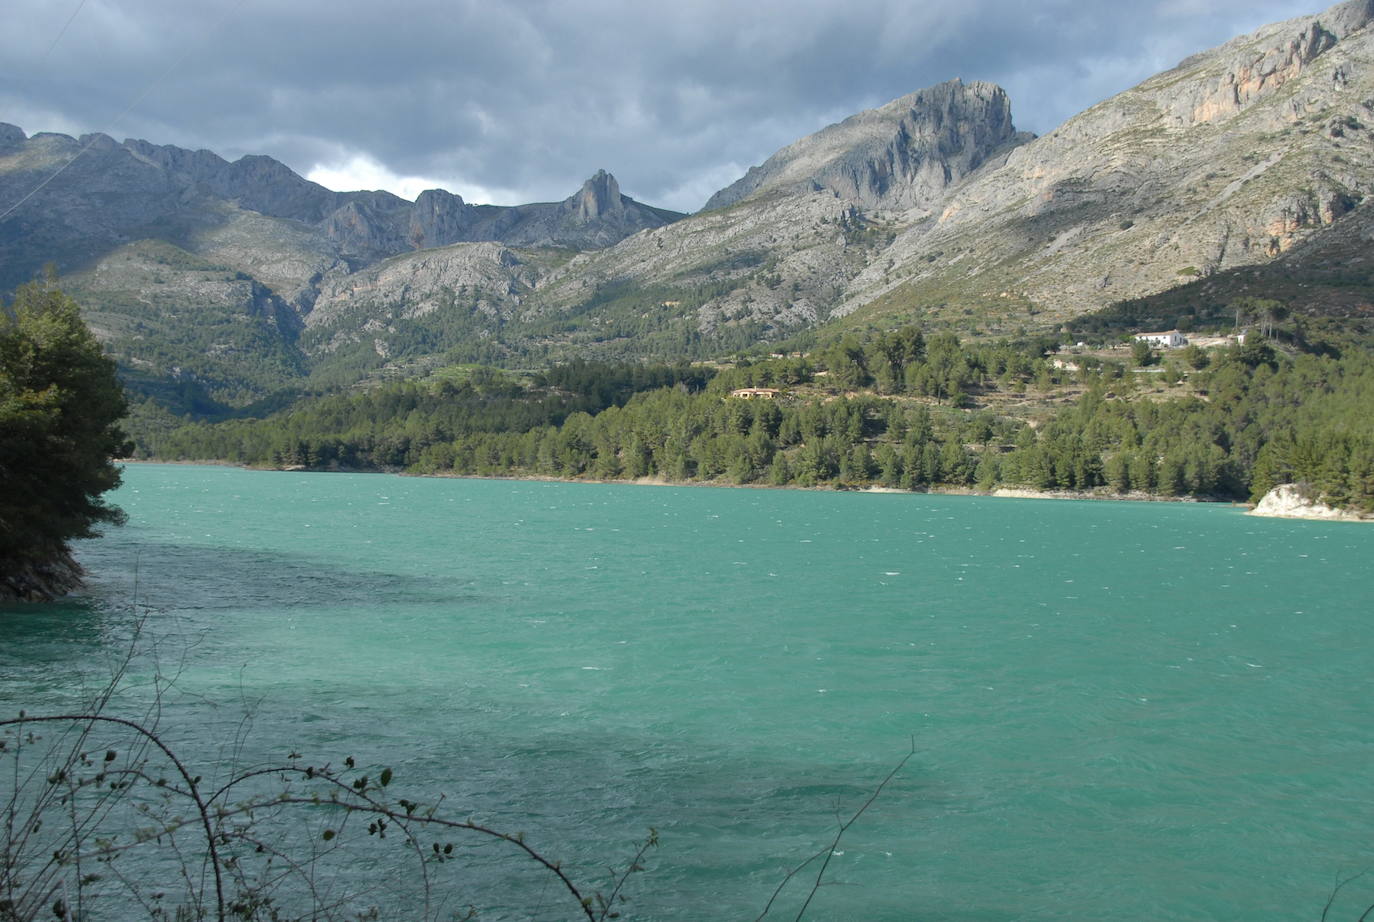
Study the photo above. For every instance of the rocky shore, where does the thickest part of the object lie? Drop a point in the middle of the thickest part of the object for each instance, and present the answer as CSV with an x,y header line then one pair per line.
x,y
35,581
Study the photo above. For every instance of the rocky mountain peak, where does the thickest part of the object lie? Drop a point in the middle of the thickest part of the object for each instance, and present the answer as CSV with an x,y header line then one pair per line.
x,y
97,142
599,197
439,217
11,136
900,156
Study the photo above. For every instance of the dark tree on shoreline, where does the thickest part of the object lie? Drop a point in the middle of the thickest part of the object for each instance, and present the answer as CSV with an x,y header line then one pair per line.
x,y
60,404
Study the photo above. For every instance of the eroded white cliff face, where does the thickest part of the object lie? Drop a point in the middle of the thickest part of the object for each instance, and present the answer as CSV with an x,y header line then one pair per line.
x,y
1288,501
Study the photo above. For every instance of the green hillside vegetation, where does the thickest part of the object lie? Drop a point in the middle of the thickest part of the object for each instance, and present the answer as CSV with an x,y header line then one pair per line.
x,y
616,322
193,335
388,426
1316,304
897,410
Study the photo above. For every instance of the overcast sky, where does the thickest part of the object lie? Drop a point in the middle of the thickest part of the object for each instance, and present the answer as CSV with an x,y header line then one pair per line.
x,y
511,101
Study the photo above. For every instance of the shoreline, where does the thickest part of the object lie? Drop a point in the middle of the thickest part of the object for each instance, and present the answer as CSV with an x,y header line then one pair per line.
x,y
1310,513
659,481
1266,508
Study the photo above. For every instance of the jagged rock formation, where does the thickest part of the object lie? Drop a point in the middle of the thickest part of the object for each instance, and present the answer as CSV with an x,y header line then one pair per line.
x,y
900,156
724,268
378,224
599,196
438,215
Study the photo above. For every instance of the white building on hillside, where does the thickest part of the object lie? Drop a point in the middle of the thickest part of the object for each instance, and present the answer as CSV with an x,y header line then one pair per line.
x,y
1170,339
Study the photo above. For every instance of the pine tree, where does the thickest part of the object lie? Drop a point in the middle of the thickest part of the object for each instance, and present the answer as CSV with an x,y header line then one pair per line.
x,y
60,404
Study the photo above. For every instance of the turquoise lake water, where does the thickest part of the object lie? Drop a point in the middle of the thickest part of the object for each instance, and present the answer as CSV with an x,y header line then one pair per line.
x,y
1119,710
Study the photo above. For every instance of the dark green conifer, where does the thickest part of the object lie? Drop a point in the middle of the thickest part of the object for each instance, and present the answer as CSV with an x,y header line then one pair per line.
x,y
60,405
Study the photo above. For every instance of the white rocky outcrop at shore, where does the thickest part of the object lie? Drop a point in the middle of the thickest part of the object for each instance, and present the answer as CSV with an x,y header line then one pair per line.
x,y
1289,501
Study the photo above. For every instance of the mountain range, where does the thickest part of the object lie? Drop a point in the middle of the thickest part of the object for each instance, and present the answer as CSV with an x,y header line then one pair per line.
x,y
217,285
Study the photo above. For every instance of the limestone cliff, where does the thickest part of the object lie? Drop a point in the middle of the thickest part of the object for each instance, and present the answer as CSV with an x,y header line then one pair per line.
x,y
900,156
1227,160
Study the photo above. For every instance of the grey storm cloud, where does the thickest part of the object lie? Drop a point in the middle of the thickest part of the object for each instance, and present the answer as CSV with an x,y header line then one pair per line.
x,y
521,100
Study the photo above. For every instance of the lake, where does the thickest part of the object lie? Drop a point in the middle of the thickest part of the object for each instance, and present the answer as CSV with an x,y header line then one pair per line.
x,y
1118,710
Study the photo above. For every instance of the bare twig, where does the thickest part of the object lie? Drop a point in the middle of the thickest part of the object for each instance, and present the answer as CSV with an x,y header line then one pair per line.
x,y
634,867
1335,891
829,851
192,783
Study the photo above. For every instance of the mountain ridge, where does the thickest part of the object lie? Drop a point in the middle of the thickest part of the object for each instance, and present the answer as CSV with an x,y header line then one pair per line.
x,y
142,184
930,209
